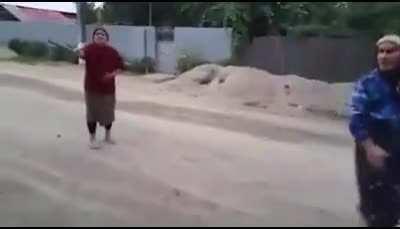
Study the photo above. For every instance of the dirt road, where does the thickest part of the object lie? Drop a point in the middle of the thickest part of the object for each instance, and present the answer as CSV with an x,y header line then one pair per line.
x,y
172,165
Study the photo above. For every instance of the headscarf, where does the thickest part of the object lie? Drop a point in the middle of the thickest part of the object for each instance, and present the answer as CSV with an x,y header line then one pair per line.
x,y
392,75
105,31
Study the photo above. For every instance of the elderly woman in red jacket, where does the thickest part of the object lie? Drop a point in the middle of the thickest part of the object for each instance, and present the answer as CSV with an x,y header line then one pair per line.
x,y
103,63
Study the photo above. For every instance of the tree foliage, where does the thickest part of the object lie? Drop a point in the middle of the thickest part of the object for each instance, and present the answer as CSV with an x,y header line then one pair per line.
x,y
251,19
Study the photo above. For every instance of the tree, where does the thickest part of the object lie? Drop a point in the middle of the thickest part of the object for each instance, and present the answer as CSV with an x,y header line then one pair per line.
x,y
127,13
240,16
317,19
374,18
82,18
88,12
86,15
91,13
251,19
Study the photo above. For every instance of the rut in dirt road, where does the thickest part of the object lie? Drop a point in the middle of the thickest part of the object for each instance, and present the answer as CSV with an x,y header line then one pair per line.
x,y
252,127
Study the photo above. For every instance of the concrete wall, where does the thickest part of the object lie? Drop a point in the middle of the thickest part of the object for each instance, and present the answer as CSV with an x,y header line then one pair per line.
x,y
211,44
39,31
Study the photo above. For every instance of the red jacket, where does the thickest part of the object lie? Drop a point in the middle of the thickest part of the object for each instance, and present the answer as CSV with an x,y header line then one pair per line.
x,y
101,59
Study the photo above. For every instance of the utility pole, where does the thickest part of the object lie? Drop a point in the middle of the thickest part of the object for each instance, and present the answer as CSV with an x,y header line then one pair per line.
x,y
81,8
145,35
81,19
150,13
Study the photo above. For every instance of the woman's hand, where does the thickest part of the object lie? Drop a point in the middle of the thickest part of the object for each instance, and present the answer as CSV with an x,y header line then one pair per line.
x,y
81,49
376,156
111,75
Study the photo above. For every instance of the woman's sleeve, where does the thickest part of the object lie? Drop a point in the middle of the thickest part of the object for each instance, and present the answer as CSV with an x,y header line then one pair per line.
x,y
359,112
120,61
82,52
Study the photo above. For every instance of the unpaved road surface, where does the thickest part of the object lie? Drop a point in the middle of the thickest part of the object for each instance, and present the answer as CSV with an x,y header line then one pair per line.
x,y
172,166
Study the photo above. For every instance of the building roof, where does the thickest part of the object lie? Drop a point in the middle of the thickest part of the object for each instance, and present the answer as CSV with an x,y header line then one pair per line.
x,y
28,14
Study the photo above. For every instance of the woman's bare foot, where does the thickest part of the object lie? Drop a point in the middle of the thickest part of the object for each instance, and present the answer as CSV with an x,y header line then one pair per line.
x,y
108,139
93,143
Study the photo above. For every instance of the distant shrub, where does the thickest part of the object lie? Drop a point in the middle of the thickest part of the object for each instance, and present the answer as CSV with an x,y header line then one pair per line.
x,y
16,45
321,30
308,30
188,61
42,51
36,49
29,48
58,53
141,65
227,62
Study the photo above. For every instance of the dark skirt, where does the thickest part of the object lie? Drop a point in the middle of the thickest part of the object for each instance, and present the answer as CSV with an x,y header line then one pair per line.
x,y
100,108
378,190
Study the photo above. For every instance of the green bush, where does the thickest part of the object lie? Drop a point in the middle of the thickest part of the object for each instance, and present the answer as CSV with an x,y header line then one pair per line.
x,y
29,48
58,53
228,62
341,33
321,30
42,51
141,65
36,49
188,61
308,30
17,46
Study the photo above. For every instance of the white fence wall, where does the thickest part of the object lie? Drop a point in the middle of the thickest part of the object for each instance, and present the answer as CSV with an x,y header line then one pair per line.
x,y
211,44
39,31
133,42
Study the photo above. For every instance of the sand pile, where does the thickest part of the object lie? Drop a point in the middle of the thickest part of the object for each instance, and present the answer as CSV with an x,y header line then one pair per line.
x,y
203,74
255,87
159,78
250,86
311,94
